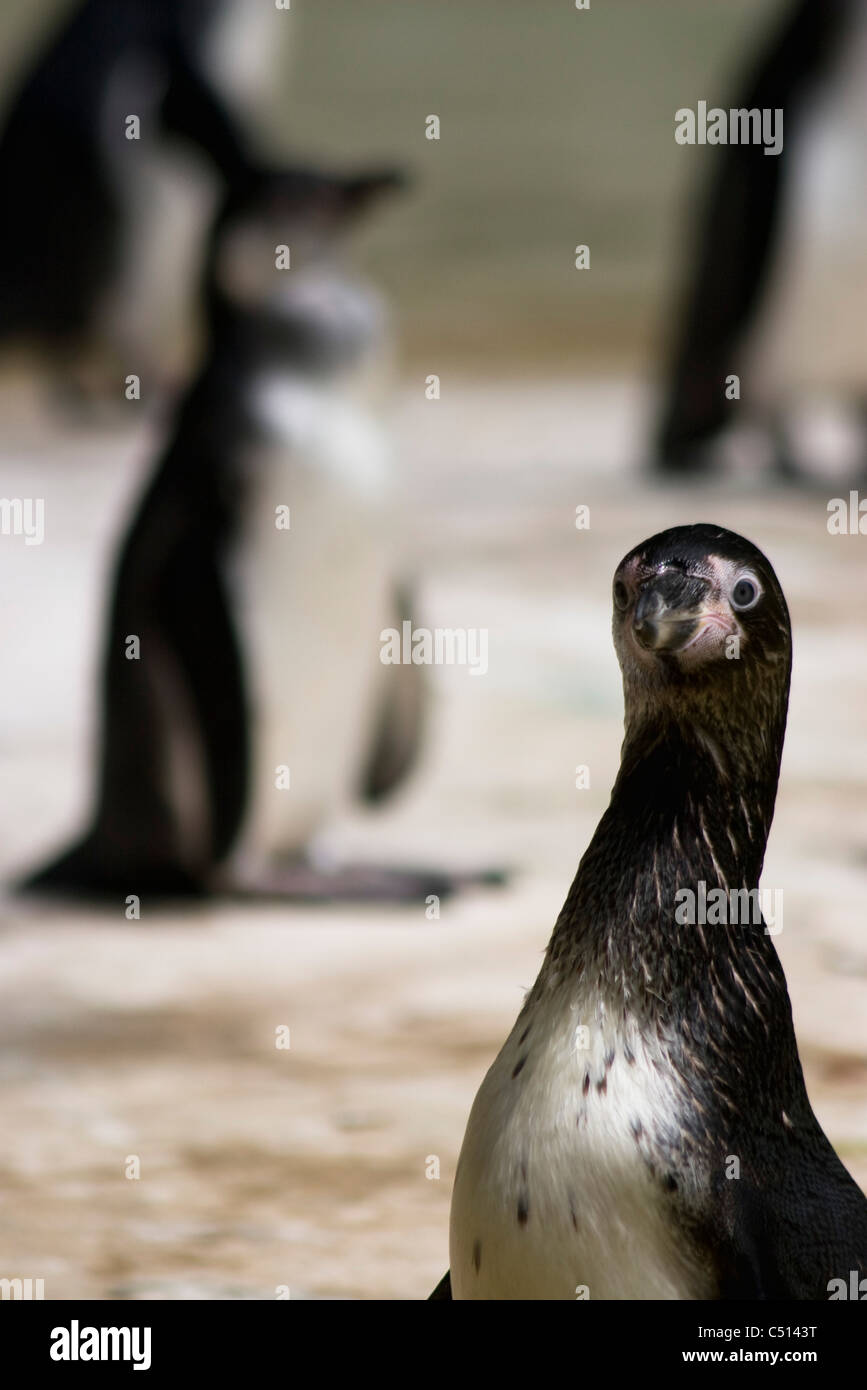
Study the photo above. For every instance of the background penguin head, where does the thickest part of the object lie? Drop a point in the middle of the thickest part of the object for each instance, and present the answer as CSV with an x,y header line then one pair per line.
x,y
702,632
273,261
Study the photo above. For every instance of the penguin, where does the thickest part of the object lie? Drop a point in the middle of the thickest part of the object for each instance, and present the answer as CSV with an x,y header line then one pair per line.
x,y
245,700
119,121
776,292
645,1132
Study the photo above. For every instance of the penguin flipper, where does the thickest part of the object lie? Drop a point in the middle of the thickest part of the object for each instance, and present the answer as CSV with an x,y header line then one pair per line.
x,y
443,1288
804,1224
397,740
400,720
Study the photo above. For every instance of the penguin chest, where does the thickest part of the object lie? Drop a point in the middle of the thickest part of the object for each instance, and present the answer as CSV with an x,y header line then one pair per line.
x,y
564,1187
312,588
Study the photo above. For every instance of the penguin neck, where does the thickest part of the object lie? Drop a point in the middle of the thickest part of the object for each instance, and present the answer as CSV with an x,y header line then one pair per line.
x,y
699,773
244,349
690,813
257,343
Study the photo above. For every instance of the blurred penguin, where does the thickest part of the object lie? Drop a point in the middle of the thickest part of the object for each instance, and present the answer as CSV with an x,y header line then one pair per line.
x,y
778,291
258,576
113,154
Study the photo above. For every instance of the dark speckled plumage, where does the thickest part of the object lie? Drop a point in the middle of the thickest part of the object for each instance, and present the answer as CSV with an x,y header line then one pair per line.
x,y
693,802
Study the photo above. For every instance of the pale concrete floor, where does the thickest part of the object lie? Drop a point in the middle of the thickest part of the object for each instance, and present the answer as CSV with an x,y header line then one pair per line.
x,y
307,1167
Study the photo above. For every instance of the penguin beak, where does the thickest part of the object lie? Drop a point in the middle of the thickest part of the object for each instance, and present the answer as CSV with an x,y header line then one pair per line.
x,y
358,192
673,611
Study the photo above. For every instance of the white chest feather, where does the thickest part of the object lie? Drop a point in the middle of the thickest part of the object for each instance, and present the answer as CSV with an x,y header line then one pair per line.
x,y
312,598
555,1197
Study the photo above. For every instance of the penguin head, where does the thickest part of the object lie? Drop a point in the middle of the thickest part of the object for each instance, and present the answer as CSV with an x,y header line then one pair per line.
x,y
702,631
274,259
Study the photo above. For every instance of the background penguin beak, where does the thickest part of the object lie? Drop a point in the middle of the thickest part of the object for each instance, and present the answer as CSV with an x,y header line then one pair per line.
x,y
668,613
360,191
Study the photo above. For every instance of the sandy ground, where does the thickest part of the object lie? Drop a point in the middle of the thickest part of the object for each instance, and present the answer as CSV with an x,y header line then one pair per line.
x,y
327,1167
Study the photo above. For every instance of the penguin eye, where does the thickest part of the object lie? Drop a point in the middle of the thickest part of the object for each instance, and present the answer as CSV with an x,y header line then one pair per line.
x,y
746,593
621,594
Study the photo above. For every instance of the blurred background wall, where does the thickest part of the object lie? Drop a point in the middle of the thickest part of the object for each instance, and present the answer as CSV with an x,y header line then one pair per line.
x,y
557,128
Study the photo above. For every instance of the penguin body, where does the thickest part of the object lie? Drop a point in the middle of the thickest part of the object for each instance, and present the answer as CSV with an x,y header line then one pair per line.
x,y
323,450
810,337
777,289
257,576
645,1132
